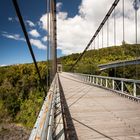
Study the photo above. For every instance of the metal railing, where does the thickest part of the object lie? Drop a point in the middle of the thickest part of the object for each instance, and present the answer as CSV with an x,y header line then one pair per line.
x,y
45,124
129,88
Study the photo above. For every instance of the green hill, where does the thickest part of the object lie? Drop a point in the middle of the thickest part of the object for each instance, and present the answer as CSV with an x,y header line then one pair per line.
x,y
21,95
92,58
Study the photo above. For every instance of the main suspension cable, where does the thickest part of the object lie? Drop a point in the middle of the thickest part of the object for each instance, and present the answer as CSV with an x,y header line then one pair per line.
x,y
28,42
97,31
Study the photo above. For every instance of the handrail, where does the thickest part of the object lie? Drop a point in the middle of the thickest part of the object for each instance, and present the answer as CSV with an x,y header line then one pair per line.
x,y
126,87
114,78
43,128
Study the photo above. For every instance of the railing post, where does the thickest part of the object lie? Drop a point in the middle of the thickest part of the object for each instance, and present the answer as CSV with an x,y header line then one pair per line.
x,y
106,85
122,86
90,79
96,80
93,80
134,90
101,82
113,84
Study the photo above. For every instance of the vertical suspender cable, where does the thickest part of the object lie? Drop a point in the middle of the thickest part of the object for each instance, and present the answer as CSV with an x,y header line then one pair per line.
x,y
136,7
91,60
136,26
98,48
115,33
123,43
103,37
136,30
94,44
107,36
114,26
108,32
123,21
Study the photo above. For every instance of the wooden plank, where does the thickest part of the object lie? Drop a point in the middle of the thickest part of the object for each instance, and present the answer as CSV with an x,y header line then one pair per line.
x,y
100,114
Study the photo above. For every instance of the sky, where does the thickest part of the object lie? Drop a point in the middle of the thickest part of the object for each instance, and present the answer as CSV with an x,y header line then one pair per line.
x,y
77,21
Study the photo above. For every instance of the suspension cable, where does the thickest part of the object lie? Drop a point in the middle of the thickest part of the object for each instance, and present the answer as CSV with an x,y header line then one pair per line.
x,y
91,59
103,37
123,21
114,27
136,42
28,42
97,31
108,32
98,48
94,44
115,33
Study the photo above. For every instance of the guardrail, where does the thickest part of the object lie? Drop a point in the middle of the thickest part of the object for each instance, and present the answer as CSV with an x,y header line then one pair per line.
x,y
129,88
45,127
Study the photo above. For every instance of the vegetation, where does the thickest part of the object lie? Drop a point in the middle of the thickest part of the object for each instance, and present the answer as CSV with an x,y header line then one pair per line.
x,y
21,95
92,58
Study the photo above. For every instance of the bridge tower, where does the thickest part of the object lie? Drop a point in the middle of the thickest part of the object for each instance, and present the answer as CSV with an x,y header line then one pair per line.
x,y
53,38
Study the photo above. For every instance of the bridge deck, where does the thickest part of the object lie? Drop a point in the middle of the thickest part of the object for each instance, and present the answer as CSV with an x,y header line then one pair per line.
x,y
100,114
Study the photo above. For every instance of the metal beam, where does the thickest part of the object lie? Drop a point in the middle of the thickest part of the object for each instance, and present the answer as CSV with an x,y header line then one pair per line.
x,y
53,38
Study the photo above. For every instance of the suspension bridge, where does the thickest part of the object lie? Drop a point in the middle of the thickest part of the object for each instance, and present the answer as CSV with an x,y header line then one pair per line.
x,y
85,106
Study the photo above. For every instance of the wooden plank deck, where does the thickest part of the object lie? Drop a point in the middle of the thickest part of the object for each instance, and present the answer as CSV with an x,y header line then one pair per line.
x,y
99,114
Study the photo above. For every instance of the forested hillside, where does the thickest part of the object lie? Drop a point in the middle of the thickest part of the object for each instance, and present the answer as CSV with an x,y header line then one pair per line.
x,y
90,60
21,95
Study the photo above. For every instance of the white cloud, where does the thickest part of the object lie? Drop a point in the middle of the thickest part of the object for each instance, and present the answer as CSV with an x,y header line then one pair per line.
x,y
10,18
3,65
73,34
30,23
59,6
13,36
44,39
13,19
34,33
43,22
38,44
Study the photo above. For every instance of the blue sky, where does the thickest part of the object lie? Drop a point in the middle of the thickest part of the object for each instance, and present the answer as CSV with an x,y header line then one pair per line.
x,y
13,48
77,21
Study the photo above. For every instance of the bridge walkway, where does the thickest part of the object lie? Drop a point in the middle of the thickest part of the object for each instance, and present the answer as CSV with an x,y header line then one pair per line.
x,y
99,114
